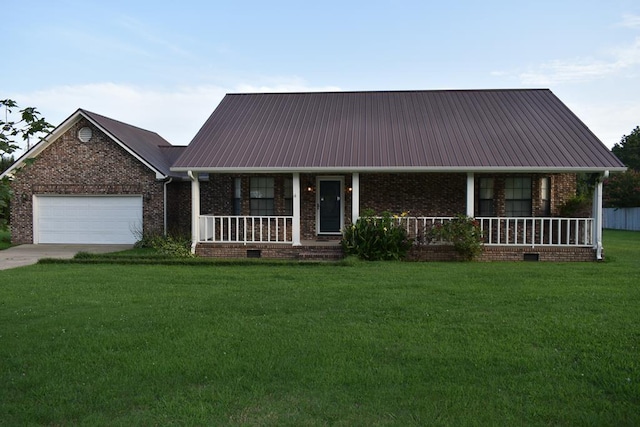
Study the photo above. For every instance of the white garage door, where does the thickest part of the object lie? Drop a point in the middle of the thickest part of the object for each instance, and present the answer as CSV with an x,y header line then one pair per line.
x,y
87,219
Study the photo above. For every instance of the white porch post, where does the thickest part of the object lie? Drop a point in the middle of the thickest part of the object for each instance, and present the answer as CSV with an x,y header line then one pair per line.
x,y
195,209
295,231
470,194
355,197
597,216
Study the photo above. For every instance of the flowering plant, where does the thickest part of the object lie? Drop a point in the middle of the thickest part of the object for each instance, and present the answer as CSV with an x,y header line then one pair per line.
x,y
376,238
465,234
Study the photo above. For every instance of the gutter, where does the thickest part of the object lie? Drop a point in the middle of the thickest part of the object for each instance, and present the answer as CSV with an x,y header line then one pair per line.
x,y
164,204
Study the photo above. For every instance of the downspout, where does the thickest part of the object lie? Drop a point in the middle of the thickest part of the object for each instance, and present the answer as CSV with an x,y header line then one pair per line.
x,y
597,215
195,209
167,182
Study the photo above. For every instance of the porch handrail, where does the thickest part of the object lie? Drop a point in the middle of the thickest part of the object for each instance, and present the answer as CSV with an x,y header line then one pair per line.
x,y
512,231
245,229
537,231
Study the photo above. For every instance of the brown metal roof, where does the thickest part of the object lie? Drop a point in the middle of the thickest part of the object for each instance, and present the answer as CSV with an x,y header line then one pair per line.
x,y
525,129
148,145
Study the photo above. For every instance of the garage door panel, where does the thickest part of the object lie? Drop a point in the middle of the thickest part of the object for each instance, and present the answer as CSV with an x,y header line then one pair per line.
x,y
88,219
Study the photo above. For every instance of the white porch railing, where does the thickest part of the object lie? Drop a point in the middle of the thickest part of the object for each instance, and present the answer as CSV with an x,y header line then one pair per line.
x,y
418,228
502,231
537,231
245,229
496,231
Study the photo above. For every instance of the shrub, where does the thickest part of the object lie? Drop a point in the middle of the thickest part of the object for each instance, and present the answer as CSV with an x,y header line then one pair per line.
x,y
376,238
175,246
465,234
576,207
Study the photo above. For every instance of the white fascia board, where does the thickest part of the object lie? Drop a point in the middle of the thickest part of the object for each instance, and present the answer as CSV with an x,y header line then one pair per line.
x,y
402,170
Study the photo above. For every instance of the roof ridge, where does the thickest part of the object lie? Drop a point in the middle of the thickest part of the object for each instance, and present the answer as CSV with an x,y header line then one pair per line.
x,y
121,122
391,91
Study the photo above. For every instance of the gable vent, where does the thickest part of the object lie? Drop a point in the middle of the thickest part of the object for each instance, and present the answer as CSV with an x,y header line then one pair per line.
x,y
85,134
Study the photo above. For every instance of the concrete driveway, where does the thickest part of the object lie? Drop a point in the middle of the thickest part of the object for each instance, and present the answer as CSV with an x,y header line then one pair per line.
x,y
18,256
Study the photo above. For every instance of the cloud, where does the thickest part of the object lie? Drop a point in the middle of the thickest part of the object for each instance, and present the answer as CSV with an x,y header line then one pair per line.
x,y
284,84
630,21
609,120
140,30
583,70
176,114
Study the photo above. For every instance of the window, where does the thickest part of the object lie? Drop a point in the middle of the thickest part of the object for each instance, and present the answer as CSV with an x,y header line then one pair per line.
x,y
517,195
237,196
545,196
288,196
261,194
486,207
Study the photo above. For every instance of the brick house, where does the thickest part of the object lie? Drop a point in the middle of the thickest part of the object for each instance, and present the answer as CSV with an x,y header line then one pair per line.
x,y
280,175
96,180
288,171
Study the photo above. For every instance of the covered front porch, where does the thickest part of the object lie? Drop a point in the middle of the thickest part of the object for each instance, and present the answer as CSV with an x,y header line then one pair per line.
x,y
312,210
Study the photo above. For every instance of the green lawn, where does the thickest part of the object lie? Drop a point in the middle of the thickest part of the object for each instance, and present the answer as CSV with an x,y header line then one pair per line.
x,y
366,344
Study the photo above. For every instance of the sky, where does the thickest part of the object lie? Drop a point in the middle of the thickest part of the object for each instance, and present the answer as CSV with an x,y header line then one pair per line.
x,y
164,66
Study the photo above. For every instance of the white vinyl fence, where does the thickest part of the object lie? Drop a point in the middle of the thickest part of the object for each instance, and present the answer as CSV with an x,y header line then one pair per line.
x,y
622,218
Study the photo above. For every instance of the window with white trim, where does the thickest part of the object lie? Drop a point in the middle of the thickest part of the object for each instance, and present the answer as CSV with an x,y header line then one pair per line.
x,y
517,196
261,194
485,196
545,196
288,196
237,196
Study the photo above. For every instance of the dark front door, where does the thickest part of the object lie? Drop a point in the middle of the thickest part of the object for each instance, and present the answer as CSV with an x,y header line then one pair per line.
x,y
330,206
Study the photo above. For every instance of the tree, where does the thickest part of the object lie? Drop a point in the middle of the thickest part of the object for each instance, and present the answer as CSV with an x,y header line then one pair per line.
x,y
628,149
622,190
29,125
5,163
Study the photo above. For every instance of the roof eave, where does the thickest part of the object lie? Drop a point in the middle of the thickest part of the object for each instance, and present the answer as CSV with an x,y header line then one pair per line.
x,y
394,169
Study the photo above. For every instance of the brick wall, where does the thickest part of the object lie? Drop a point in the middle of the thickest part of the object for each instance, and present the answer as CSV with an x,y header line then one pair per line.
x,y
421,194
179,208
269,251
417,253
504,253
71,167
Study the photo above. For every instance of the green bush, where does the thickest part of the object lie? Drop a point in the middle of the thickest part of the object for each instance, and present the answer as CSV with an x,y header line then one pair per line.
x,y
174,246
465,234
576,207
376,238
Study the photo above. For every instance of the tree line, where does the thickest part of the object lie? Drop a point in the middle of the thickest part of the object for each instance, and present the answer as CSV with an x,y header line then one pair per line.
x,y
622,190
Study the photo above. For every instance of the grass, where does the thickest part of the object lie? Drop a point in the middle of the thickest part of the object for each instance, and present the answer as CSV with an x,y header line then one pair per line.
x,y
365,344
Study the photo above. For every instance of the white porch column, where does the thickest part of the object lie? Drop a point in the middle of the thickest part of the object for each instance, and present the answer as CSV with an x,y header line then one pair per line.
x,y
297,200
470,194
597,216
195,209
355,197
